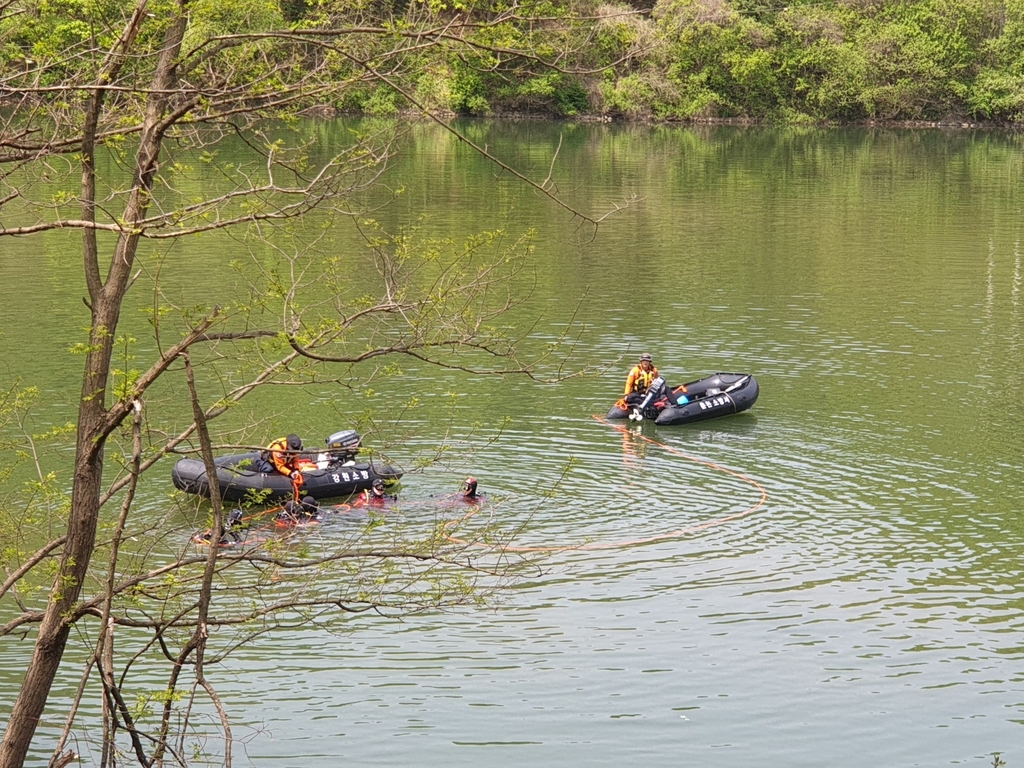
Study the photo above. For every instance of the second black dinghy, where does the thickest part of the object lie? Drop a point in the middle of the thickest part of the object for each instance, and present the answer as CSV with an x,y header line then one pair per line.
x,y
720,394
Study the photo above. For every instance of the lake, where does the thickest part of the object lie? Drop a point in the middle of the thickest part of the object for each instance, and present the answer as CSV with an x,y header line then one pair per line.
x,y
831,578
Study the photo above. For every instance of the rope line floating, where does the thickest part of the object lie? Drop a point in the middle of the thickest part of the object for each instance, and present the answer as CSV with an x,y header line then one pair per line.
x,y
631,542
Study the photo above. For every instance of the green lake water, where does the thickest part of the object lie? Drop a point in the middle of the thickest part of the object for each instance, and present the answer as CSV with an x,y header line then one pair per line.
x,y
834,578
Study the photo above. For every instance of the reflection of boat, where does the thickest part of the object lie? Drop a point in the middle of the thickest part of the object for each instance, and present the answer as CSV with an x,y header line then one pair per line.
x,y
337,474
718,395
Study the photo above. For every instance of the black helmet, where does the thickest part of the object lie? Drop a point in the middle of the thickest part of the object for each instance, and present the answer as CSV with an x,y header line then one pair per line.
x,y
310,505
294,442
469,487
378,487
646,356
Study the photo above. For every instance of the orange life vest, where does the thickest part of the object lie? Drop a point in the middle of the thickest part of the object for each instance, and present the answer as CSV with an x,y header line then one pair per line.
x,y
284,459
639,380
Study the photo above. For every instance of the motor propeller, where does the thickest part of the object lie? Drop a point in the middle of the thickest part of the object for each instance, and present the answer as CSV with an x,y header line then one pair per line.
x,y
653,393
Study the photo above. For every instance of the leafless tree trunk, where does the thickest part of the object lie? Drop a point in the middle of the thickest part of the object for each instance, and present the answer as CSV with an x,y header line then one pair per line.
x,y
95,420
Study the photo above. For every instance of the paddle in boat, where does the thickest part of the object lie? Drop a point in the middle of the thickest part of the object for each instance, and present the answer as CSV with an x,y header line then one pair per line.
x,y
718,395
337,473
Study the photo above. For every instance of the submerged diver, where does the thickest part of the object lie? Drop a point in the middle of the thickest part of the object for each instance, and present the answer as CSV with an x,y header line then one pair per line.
x,y
294,511
231,533
469,491
375,495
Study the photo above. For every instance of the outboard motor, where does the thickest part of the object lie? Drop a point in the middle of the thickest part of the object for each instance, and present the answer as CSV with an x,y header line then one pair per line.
x,y
342,447
656,390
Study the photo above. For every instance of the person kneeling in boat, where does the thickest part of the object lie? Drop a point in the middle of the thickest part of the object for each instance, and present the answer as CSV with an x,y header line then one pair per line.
x,y
282,456
639,379
640,376
304,511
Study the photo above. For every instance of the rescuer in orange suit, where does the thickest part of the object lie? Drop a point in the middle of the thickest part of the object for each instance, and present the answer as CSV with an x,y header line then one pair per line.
x,y
640,376
282,455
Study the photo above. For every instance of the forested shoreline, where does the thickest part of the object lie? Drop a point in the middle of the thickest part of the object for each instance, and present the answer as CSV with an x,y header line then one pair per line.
x,y
804,61
847,61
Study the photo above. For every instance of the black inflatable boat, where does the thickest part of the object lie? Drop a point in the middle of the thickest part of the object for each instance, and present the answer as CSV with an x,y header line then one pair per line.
x,y
718,395
337,474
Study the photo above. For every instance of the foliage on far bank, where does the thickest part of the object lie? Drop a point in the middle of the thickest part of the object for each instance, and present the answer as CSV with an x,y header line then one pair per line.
x,y
798,61
807,61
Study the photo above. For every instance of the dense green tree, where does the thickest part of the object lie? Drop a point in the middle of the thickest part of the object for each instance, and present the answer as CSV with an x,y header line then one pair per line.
x,y
998,90
673,59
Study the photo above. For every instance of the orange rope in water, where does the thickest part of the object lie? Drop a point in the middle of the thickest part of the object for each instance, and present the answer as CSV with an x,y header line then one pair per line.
x,y
633,542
